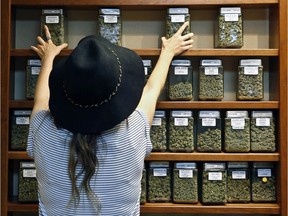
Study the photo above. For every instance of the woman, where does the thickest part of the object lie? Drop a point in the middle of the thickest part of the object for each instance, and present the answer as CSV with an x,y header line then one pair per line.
x,y
90,124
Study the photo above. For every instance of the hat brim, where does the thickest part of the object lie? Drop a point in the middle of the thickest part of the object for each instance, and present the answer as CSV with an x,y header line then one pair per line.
x,y
94,120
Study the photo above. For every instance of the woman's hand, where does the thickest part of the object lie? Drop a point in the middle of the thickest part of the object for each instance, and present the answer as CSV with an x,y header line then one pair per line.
x,y
178,43
47,51
46,48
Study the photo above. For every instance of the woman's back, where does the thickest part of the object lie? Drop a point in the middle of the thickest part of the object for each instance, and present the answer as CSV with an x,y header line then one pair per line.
x,y
120,151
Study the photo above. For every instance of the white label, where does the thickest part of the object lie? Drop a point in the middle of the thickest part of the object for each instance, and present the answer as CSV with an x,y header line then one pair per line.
x,y
264,173
177,18
22,120
110,19
217,176
181,71
238,123
145,71
52,19
181,121
159,172
231,17
211,71
238,174
264,122
29,173
251,70
157,122
184,173
210,122
35,70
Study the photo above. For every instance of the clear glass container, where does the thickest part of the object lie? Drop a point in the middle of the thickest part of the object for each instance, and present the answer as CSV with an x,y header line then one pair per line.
x,y
185,182
27,183
263,131
229,32
237,131
176,17
110,25
159,182
214,183
55,21
147,68
158,132
238,182
250,80
263,182
181,132
143,197
32,73
180,80
19,130
209,131
211,80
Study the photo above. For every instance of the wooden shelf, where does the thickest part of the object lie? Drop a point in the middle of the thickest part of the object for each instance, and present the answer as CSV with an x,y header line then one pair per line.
x,y
23,104
134,4
156,52
193,156
247,208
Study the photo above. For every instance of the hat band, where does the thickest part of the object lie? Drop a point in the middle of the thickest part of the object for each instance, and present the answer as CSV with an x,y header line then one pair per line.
x,y
105,100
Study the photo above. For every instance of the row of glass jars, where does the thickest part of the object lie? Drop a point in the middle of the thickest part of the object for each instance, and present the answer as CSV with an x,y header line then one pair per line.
x,y
210,183
216,184
238,132
250,79
228,34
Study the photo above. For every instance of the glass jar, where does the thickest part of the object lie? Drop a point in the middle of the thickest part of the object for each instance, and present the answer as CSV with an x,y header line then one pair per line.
x,y
211,80
263,132
229,32
19,129
180,80
209,131
143,198
185,183
110,25
176,17
159,182
32,73
238,182
250,80
147,68
27,183
263,182
54,19
181,132
214,183
158,132
237,131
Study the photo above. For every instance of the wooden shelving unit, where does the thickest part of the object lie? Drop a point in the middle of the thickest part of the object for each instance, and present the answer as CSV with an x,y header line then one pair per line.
x,y
276,53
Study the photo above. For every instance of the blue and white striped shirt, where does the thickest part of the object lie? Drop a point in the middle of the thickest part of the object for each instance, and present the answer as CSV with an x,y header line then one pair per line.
x,y
120,151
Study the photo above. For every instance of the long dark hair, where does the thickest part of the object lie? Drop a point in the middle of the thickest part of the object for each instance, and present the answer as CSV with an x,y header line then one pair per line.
x,y
83,149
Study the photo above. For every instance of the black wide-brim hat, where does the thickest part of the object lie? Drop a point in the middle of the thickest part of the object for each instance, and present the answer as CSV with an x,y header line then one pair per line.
x,y
98,86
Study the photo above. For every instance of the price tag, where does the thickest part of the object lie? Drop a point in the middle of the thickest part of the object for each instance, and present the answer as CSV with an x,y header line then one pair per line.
x,y
251,70
160,172
181,71
29,173
52,19
264,122
231,17
184,173
264,173
22,120
216,176
238,174
181,121
238,123
212,71
177,18
157,122
110,19
209,122
35,70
